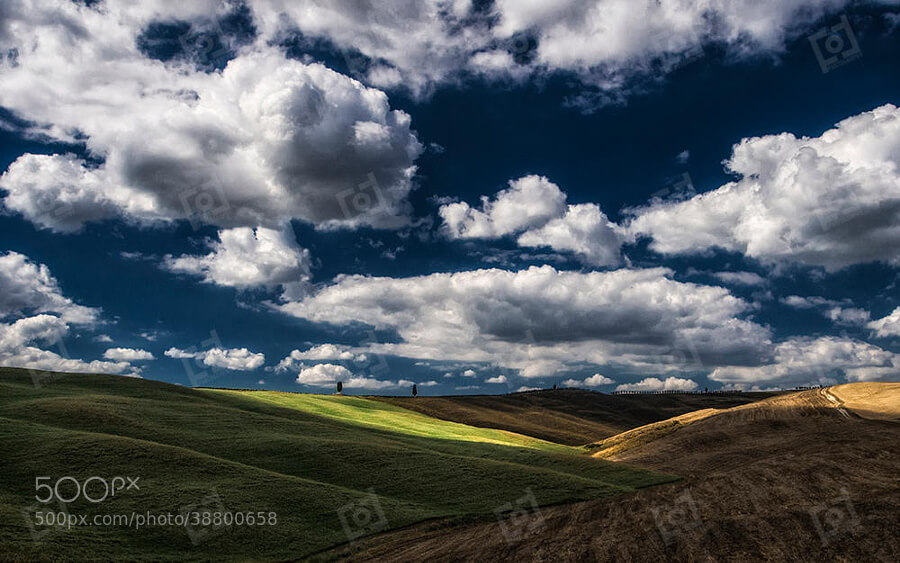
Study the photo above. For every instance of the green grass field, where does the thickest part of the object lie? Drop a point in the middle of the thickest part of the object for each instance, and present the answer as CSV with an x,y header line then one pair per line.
x,y
308,458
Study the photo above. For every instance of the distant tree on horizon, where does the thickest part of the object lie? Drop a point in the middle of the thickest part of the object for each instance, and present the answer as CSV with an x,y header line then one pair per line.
x,y
340,386
415,390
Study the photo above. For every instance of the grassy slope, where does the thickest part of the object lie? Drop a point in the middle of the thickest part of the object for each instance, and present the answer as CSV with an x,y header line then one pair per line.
x,y
567,416
303,457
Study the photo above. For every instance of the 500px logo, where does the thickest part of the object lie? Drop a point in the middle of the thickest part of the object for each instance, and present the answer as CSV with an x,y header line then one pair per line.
x,y
93,489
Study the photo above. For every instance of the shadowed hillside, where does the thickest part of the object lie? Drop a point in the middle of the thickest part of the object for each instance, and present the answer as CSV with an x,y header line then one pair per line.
x,y
568,416
798,477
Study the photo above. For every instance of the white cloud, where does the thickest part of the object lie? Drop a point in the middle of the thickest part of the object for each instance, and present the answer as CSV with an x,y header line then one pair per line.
x,y
822,360
28,288
19,348
317,353
535,208
104,338
530,201
540,320
238,359
584,230
247,257
596,380
887,326
127,354
523,389
469,373
832,200
654,384
34,312
609,43
740,278
325,375
496,380
246,146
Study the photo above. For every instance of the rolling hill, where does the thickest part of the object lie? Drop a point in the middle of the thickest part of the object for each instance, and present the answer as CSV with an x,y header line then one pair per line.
x,y
568,416
311,460
805,476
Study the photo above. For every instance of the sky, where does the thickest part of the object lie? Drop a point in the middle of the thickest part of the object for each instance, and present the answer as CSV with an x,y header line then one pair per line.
x,y
473,196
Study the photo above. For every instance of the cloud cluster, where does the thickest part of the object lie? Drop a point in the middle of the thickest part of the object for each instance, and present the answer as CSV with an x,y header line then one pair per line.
x,y
607,43
128,355
655,384
237,359
540,320
327,375
295,359
831,201
255,144
28,288
887,326
245,257
824,360
35,313
534,208
596,380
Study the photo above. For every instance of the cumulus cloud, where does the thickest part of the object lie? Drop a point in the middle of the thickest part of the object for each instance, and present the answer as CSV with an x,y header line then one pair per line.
x,y
535,208
655,384
247,257
326,375
822,360
596,380
251,145
323,374
530,201
128,354
831,201
887,326
540,320
418,45
28,288
20,341
584,230
496,380
237,359
35,315
295,359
